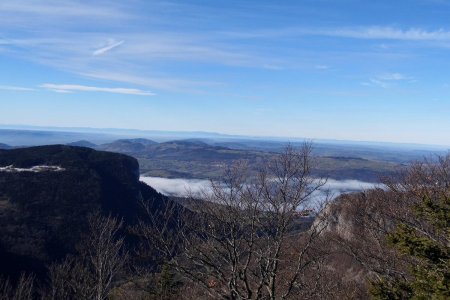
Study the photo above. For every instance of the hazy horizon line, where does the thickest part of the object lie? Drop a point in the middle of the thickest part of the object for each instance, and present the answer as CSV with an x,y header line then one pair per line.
x,y
110,131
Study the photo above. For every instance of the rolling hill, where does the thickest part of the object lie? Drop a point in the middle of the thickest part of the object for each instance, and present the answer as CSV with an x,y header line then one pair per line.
x,y
195,158
205,156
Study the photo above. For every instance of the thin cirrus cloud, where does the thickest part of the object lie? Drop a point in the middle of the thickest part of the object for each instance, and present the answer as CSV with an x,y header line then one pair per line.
x,y
111,45
390,33
171,84
70,88
369,32
52,31
45,10
15,88
69,54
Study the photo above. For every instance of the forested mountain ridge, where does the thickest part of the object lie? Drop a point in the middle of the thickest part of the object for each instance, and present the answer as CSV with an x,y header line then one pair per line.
x,y
47,194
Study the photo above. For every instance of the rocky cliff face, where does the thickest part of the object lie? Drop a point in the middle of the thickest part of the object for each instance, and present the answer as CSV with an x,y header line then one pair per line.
x,y
47,194
355,231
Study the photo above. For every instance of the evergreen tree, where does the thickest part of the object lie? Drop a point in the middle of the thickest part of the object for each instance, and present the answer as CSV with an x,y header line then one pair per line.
x,y
425,243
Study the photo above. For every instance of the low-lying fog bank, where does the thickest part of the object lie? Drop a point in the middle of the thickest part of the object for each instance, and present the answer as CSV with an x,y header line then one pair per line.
x,y
181,187
178,187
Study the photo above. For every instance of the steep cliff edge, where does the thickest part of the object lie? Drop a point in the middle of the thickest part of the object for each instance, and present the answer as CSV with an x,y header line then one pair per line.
x,y
47,194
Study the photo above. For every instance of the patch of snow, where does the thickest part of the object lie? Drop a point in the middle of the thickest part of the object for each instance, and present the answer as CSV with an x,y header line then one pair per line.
x,y
35,169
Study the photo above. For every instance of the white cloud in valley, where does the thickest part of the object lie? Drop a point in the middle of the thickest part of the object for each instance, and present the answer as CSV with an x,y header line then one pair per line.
x,y
181,187
177,187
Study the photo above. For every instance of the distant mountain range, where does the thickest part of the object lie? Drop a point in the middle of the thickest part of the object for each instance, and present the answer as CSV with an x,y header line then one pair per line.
x,y
194,158
206,155
4,146
164,135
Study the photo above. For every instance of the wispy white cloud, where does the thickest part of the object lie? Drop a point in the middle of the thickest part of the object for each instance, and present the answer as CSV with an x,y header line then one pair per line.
x,y
393,77
15,88
376,82
67,35
111,45
73,52
69,88
389,33
162,83
369,32
146,47
386,80
60,9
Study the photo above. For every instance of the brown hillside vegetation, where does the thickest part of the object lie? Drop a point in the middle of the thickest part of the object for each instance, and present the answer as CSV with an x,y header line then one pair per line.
x,y
243,241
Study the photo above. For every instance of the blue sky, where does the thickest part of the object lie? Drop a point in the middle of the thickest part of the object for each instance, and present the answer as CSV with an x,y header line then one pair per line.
x,y
339,69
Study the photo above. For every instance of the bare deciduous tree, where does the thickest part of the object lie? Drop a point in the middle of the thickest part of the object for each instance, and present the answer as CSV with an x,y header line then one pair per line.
x,y
23,290
91,274
358,225
361,225
240,242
